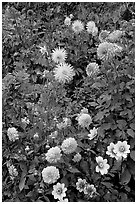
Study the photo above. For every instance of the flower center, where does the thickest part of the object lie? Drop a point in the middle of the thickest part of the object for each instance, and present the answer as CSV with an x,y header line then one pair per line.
x,y
122,149
59,191
101,165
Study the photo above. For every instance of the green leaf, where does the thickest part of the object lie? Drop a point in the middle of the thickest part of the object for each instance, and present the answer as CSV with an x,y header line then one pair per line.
x,y
131,132
73,170
132,155
125,177
22,181
107,184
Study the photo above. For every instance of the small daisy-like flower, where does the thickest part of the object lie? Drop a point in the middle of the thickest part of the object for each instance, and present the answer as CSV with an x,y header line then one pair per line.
x,y
50,174
107,51
59,55
89,190
77,26
81,184
93,133
65,200
102,166
67,21
36,136
25,120
64,73
90,26
92,69
95,31
43,49
122,149
103,36
77,157
110,151
27,148
59,191
12,134
69,145
115,36
53,155
84,120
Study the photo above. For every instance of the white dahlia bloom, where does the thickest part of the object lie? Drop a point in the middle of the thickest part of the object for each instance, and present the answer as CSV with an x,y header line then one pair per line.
x,y
50,174
81,184
106,50
111,153
59,55
12,134
90,26
77,26
92,69
115,36
64,72
103,36
69,145
67,21
59,191
89,190
53,155
93,133
122,149
84,120
102,166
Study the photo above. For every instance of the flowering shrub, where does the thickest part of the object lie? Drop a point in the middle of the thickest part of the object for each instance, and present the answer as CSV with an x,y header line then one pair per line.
x,y
68,75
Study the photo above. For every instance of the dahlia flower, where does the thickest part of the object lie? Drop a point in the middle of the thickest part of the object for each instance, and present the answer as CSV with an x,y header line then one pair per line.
x,y
115,36
122,149
59,55
93,133
12,134
89,190
81,184
102,166
106,50
64,73
69,145
67,21
92,69
77,157
59,191
77,26
50,174
84,120
104,35
110,151
90,26
53,155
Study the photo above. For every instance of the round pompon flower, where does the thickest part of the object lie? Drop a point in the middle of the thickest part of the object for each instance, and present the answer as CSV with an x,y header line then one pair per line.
x,y
50,174
12,134
89,190
115,36
93,133
90,26
84,120
102,166
111,153
53,155
107,51
103,36
77,157
67,21
92,69
81,184
59,55
59,191
77,26
64,72
122,149
69,145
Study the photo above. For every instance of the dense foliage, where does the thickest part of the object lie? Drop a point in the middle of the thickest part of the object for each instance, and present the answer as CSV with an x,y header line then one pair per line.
x,y
36,104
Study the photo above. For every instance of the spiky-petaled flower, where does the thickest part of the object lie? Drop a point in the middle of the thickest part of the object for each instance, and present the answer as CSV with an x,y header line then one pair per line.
x,y
69,145
53,155
107,51
103,36
77,26
81,184
77,157
92,69
93,133
102,166
59,55
90,26
50,174
12,134
111,153
59,191
84,120
122,149
67,21
89,190
64,73
115,36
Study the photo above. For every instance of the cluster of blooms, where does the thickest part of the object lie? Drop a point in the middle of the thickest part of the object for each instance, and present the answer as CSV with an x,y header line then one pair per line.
x,y
92,69
77,157
66,122
93,133
118,150
59,192
84,119
12,171
83,186
12,134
